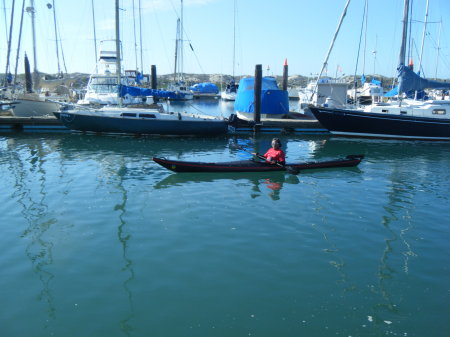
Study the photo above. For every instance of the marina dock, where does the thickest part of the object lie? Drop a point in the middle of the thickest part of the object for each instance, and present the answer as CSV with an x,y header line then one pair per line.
x,y
298,124
31,124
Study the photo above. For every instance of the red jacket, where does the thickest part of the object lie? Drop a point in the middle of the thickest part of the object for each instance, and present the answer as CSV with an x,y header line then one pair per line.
x,y
277,155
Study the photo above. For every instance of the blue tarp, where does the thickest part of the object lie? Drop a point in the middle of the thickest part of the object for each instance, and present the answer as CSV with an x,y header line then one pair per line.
x,y
273,100
140,92
408,80
205,88
393,92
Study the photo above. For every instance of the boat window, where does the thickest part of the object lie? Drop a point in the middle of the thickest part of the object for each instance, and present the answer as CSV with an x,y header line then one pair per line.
x,y
147,116
103,84
128,114
402,112
384,111
439,112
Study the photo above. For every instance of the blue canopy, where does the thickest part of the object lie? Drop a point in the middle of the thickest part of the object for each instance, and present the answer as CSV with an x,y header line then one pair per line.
x,y
139,92
205,88
273,100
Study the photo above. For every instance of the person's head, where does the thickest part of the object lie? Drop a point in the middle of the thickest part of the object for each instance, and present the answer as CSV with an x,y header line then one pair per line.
x,y
276,143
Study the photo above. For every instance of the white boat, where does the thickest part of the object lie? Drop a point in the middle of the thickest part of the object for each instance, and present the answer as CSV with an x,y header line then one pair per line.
x,y
229,94
102,87
324,92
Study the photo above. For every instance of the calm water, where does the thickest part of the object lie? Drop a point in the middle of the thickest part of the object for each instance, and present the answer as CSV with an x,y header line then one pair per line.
x,y
97,240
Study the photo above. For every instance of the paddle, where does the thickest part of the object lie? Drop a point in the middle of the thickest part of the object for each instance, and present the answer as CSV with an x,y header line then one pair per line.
x,y
289,169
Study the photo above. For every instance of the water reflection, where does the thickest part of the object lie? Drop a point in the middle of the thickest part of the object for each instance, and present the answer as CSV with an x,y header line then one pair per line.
x,y
124,237
27,164
259,183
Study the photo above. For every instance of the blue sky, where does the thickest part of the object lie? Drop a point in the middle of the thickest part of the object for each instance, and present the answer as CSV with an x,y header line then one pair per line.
x,y
267,32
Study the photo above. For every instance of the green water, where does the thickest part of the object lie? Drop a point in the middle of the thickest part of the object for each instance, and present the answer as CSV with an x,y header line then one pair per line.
x,y
97,240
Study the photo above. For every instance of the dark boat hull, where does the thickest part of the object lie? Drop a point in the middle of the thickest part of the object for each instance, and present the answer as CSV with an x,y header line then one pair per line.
x,y
106,124
253,166
378,125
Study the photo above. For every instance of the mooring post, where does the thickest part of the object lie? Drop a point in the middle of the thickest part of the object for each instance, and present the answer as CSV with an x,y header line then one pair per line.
x,y
257,94
154,83
285,75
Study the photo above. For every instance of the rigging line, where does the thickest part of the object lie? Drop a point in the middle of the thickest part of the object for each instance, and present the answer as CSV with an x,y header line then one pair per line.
x,y
56,37
62,53
9,43
359,48
95,36
18,44
140,35
366,14
6,21
156,20
135,40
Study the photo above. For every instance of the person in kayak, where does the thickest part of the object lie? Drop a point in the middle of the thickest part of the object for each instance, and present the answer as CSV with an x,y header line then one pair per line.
x,y
275,154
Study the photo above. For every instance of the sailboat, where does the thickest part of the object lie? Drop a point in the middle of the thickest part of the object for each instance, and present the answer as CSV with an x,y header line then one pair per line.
x,y
230,92
26,102
179,86
139,120
405,119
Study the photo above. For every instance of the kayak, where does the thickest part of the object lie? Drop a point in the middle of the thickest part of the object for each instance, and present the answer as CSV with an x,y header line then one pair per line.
x,y
254,166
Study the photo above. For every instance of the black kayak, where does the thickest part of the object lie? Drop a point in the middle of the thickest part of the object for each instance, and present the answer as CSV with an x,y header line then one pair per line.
x,y
254,166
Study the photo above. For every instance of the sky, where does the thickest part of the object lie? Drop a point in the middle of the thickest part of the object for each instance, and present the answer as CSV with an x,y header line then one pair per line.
x,y
266,33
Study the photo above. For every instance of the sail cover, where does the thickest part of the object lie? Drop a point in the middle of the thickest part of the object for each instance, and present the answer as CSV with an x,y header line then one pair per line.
x,y
408,80
205,88
140,92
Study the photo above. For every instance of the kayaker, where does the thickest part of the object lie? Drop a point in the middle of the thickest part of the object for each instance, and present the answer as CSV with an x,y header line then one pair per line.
x,y
275,154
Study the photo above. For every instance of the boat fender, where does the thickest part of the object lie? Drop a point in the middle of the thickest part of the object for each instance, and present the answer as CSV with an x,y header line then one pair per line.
x,y
179,116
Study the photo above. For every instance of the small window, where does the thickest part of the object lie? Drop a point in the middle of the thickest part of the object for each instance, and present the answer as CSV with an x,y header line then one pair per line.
x,y
384,111
439,112
147,116
403,112
128,114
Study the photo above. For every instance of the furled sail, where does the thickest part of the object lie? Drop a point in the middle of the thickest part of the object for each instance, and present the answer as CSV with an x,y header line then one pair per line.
x,y
409,81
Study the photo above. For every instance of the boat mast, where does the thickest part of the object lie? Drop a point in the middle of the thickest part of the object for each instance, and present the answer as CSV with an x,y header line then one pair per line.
x,y
9,43
56,37
32,11
135,40
140,37
438,49
401,60
18,45
344,13
181,44
175,71
95,37
423,37
234,37
118,65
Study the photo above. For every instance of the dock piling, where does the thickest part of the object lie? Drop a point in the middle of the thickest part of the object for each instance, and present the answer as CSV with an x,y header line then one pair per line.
x,y
257,95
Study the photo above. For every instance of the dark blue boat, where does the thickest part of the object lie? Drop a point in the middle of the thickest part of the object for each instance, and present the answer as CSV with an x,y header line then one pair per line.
x,y
141,121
